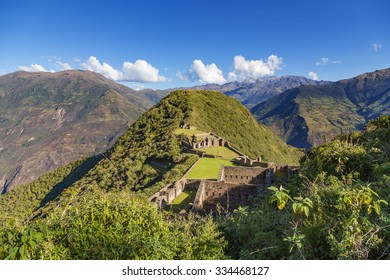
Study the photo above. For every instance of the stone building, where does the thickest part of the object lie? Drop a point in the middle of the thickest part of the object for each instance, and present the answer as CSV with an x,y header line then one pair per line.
x,y
216,195
208,140
246,175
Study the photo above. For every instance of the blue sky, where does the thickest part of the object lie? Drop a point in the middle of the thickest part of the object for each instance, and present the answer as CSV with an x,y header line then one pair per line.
x,y
164,44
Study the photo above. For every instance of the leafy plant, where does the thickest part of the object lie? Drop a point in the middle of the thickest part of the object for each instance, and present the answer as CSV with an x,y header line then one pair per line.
x,y
280,196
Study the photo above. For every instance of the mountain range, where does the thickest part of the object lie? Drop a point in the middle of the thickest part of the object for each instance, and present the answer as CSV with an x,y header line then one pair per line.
x,y
305,115
249,93
50,119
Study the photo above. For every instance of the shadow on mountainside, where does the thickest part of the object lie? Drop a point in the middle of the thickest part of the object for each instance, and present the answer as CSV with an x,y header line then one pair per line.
x,y
73,177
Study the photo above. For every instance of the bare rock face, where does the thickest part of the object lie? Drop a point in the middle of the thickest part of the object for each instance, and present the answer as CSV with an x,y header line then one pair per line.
x,y
50,119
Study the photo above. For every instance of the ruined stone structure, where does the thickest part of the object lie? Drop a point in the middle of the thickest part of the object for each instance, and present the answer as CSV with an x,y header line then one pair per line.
x,y
247,161
207,140
167,194
236,185
246,175
216,195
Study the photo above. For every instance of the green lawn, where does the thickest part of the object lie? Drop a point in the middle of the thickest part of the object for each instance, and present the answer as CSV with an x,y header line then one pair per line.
x,y
208,168
222,152
182,200
188,132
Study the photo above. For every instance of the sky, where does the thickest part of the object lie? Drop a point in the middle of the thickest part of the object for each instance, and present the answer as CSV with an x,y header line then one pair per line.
x,y
166,44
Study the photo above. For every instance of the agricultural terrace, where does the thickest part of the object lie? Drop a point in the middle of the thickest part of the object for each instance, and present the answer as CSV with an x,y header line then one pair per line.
x,y
208,168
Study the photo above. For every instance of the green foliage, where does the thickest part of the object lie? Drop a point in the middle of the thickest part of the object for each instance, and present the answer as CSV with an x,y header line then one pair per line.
x,y
349,189
280,196
256,232
302,205
115,225
380,122
296,240
338,158
18,205
339,205
26,244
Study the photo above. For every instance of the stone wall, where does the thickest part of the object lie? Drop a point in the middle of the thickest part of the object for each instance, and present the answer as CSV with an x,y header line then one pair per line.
x,y
225,196
244,175
247,161
207,141
168,193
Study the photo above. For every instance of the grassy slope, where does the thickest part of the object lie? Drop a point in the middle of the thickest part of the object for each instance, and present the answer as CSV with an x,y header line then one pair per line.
x,y
214,112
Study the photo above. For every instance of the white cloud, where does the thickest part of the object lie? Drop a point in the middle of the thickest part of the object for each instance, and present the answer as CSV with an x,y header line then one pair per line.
x,y
313,76
253,69
242,70
376,47
33,68
183,76
204,73
140,71
323,61
93,64
134,86
64,65
336,61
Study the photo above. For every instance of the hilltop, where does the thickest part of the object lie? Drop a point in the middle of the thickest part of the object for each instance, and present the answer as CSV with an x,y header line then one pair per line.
x,y
50,119
303,115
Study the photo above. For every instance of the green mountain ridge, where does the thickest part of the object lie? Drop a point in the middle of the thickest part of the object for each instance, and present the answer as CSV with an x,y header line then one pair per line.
x,y
302,116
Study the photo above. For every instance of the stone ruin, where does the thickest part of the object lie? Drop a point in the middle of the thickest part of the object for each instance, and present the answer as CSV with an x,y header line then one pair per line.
x,y
236,185
207,140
